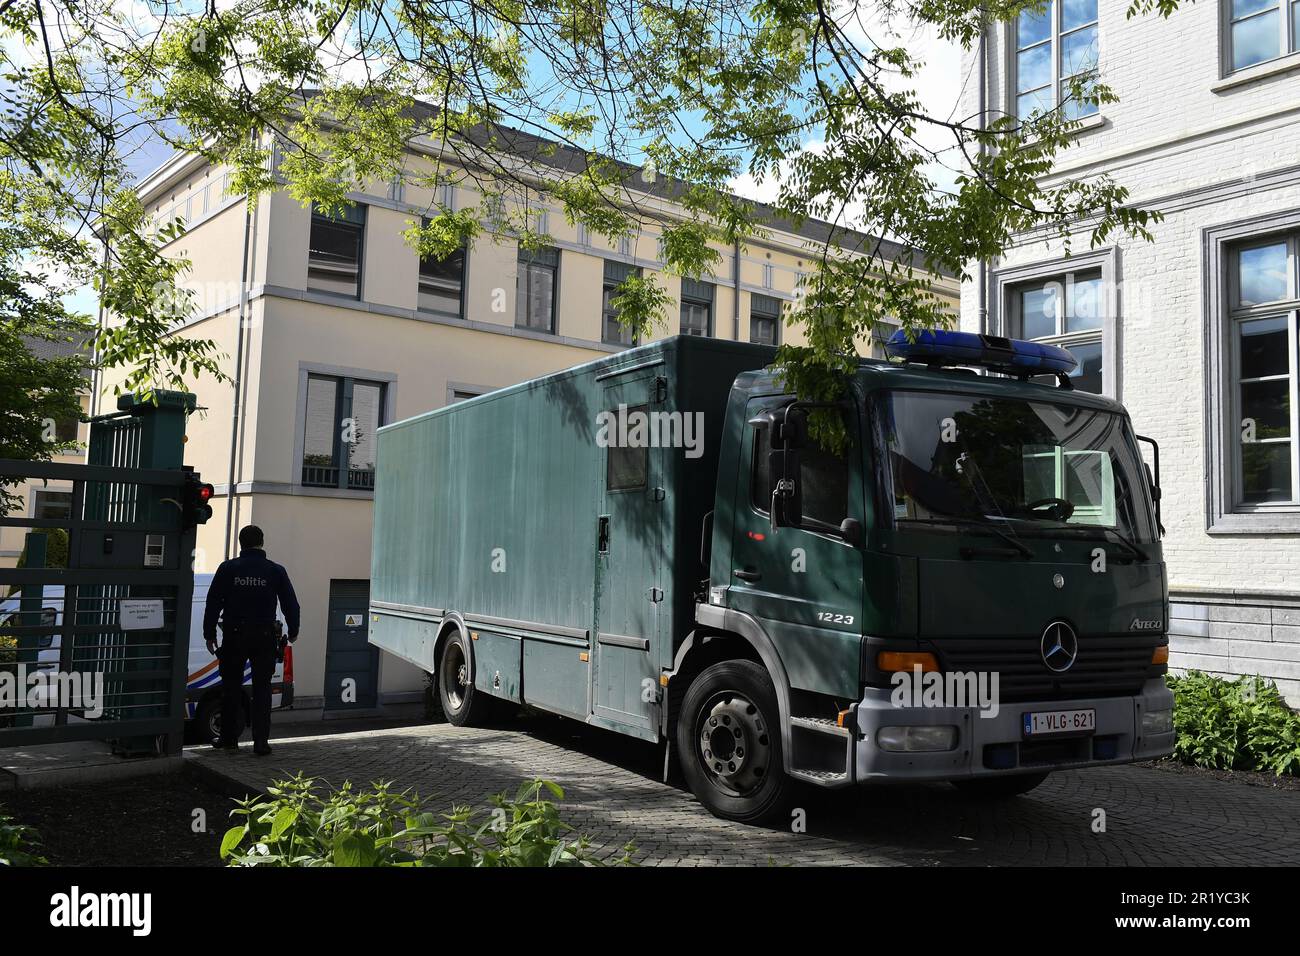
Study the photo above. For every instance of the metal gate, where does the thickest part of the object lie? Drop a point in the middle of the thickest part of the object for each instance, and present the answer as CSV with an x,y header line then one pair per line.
x,y
98,650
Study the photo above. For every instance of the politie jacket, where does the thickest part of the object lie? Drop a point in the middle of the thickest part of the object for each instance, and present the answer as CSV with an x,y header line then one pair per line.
x,y
245,589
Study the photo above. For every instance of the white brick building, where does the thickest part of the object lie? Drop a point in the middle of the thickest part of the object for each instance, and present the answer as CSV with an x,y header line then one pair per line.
x,y
1196,332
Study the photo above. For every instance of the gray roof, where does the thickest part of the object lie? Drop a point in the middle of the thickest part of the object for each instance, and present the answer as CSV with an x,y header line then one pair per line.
x,y
569,159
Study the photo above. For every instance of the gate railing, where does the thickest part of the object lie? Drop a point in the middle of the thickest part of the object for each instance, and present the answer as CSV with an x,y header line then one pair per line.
x,y
99,649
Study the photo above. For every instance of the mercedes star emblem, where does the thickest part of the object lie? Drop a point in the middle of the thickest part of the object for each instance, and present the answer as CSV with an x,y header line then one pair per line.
x,y
1059,646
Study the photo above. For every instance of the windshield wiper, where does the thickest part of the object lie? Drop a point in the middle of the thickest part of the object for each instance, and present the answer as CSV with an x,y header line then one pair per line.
x,y
980,526
1125,541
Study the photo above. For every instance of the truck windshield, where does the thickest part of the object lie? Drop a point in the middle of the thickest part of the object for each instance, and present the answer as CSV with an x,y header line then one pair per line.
x,y
1015,465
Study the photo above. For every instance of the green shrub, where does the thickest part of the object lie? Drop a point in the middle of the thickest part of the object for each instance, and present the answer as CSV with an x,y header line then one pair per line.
x,y
297,824
19,845
1241,724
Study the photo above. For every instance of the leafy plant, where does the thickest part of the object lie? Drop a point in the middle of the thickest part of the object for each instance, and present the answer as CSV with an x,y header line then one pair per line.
x,y
19,845
1241,724
299,824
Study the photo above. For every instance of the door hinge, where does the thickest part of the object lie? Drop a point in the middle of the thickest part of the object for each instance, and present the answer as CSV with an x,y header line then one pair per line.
x,y
655,595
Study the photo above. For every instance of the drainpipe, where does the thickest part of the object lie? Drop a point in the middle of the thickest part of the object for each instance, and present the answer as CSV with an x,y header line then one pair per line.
x,y
982,299
239,377
735,299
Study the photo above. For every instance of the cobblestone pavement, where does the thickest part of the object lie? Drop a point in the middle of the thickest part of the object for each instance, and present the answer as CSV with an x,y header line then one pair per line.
x,y
613,794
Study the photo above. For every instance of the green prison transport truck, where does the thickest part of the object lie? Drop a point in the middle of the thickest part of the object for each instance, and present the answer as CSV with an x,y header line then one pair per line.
x,y
654,543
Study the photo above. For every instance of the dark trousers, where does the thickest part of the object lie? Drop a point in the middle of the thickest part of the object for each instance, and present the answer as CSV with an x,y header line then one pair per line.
x,y
238,646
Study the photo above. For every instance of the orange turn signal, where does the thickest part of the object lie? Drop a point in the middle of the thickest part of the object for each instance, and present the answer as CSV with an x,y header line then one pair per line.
x,y
893,661
1160,655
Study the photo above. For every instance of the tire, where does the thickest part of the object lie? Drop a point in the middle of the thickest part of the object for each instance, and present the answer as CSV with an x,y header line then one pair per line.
x,y
463,705
999,788
729,743
207,718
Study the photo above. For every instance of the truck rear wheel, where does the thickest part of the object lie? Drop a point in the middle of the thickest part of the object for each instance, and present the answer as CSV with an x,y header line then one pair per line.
x,y
729,743
461,703
999,788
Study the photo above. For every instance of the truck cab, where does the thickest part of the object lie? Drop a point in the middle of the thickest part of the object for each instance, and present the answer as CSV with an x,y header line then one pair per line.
x,y
970,587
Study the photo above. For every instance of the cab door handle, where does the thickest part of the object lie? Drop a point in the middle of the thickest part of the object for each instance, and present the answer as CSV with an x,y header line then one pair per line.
x,y
747,574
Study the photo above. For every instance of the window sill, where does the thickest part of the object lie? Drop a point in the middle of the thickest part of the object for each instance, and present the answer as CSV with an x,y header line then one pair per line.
x,y
1273,521
1090,123
1260,71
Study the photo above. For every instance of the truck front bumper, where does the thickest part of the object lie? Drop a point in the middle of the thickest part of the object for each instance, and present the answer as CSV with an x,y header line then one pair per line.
x,y
988,746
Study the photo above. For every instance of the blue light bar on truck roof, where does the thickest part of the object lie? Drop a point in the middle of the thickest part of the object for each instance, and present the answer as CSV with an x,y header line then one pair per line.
x,y
1016,357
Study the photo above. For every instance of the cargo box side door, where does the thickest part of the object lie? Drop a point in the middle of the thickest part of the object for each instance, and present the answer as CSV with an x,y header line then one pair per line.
x,y
628,538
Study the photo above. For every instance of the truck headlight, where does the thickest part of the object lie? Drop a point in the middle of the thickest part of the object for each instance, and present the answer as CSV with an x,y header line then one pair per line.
x,y
916,739
1157,722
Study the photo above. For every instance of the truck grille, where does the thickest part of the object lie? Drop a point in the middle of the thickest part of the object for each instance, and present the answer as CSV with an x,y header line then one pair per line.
x,y
1107,665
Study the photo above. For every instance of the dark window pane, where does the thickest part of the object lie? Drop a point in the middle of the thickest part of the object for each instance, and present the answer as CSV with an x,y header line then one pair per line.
x,y
762,330
1266,472
627,468
441,282
1262,273
1087,377
52,505
823,482
1264,347
825,486
695,318
764,319
613,332
334,256
1266,406
65,429
535,295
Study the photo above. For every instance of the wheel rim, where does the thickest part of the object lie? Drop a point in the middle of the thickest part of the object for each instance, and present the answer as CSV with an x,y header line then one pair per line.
x,y
733,744
455,675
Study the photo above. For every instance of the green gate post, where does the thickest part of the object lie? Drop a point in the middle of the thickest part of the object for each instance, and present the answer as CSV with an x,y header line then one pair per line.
x,y
32,597
153,437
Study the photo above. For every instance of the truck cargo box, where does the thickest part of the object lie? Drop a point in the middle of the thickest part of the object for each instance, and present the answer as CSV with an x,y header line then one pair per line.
x,y
559,521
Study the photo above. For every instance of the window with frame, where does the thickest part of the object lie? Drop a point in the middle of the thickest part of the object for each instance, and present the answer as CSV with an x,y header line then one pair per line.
x,y
764,319
535,284
823,483
340,422
1261,30
1264,310
1053,47
442,284
697,308
627,467
51,505
613,332
334,251
1066,310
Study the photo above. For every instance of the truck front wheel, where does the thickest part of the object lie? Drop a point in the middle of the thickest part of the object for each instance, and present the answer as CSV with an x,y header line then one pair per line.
x,y
461,703
729,743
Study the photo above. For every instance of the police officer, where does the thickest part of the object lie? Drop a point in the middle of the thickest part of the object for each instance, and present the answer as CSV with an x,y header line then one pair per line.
x,y
243,594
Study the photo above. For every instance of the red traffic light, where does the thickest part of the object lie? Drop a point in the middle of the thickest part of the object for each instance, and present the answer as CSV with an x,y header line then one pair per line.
x,y
205,492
